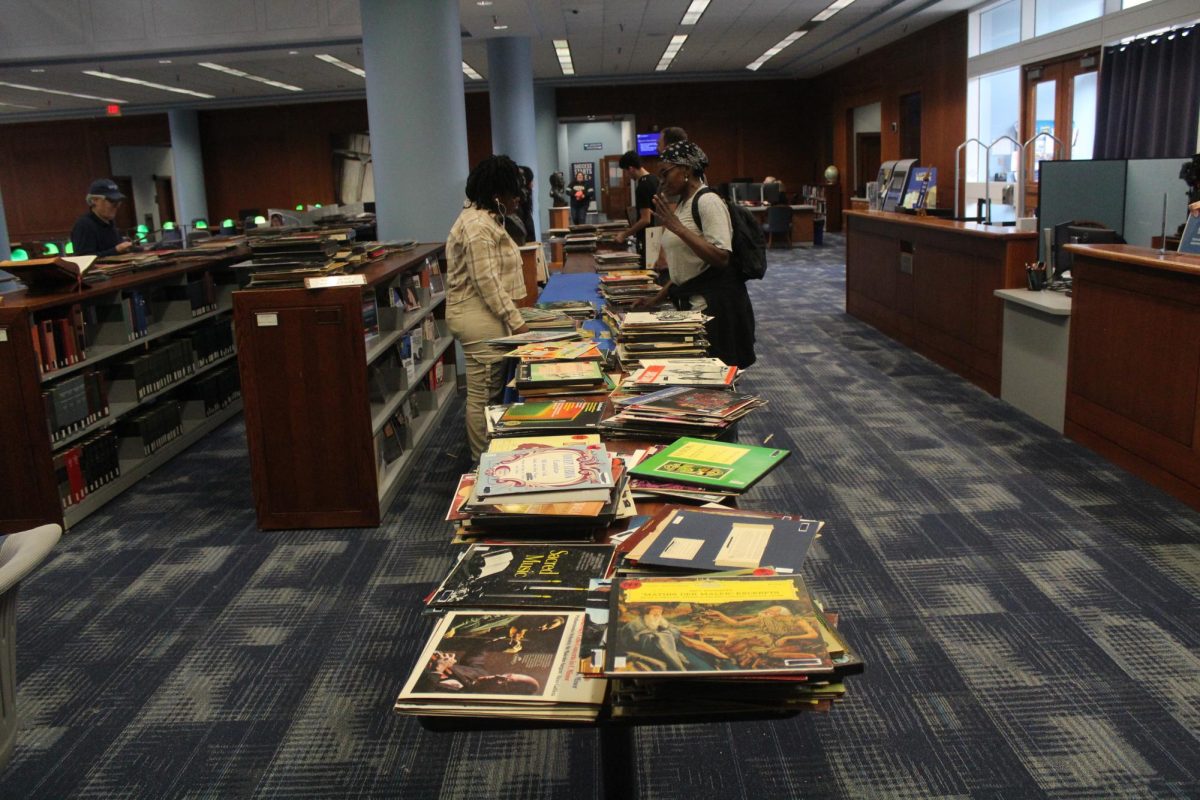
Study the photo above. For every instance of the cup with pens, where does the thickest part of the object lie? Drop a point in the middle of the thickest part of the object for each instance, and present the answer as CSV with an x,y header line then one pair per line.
x,y
1035,276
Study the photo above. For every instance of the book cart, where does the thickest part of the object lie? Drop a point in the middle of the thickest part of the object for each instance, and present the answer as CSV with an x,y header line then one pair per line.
x,y
101,385
340,385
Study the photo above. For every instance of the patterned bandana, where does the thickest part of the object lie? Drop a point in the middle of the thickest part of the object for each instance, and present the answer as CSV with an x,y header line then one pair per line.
x,y
686,154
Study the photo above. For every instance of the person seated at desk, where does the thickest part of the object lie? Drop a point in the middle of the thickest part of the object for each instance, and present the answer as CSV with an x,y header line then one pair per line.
x,y
95,233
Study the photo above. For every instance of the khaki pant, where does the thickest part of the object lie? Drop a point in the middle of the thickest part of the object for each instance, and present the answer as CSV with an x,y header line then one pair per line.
x,y
472,323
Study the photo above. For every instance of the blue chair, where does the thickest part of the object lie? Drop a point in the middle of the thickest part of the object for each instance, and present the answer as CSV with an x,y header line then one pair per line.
x,y
779,223
20,553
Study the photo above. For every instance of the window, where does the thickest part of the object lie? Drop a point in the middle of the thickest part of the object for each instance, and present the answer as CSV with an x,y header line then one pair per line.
x,y
1053,15
996,112
1131,3
999,26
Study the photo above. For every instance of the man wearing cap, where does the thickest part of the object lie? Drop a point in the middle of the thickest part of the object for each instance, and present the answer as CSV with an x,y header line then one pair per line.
x,y
94,233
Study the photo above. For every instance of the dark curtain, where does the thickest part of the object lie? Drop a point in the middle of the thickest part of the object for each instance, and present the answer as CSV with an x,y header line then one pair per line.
x,y
1149,97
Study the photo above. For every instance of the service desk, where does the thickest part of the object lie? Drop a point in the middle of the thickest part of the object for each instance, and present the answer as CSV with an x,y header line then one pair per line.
x,y
930,284
1133,376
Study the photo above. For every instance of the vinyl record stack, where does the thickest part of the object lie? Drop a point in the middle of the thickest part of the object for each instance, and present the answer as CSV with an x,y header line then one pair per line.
x,y
616,259
665,333
540,488
579,310
679,411
286,260
698,373
623,287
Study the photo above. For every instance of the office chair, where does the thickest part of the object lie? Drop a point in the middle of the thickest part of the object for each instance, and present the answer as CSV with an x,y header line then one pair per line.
x,y
779,222
20,553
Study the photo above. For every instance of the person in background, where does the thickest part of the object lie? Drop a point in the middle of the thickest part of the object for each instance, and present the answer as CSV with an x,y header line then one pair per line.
x,y
698,262
94,233
670,136
483,283
581,197
645,187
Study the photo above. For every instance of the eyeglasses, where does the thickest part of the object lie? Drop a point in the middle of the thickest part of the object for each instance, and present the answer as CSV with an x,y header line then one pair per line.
x,y
663,173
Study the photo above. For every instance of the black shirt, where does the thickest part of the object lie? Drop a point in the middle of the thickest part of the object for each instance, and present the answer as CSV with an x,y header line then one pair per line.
x,y
93,236
643,197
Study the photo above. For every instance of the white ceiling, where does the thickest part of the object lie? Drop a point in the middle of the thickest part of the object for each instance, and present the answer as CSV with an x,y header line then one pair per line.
x,y
49,45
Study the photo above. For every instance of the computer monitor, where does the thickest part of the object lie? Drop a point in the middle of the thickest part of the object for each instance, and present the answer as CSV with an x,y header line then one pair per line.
x,y
1078,233
771,192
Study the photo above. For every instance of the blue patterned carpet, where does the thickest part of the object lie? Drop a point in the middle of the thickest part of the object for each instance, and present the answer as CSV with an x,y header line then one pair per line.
x,y
1028,614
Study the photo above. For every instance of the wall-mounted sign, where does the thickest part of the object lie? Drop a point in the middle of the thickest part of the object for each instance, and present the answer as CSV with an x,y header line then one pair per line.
x,y
593,146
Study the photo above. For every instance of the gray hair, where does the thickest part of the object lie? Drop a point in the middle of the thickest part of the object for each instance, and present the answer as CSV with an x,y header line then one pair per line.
x,y
91,199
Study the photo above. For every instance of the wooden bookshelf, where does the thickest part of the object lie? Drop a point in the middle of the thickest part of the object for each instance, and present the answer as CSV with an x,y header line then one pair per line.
x,y
321,396
100,345
827,200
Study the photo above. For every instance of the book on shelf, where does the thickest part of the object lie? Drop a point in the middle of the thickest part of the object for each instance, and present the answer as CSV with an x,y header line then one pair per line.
x,y
725,465
515,575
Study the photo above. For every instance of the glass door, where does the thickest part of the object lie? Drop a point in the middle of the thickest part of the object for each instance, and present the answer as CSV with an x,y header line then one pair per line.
x,y
1060,101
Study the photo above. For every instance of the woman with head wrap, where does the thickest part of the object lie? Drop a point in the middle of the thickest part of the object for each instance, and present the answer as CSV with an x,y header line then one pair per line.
x,y
697,240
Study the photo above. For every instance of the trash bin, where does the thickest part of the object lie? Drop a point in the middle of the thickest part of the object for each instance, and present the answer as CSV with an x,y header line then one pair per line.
x,y
818,231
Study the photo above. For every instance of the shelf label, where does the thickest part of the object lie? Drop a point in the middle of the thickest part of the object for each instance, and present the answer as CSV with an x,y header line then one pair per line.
x,y
3,334
328,281
267,319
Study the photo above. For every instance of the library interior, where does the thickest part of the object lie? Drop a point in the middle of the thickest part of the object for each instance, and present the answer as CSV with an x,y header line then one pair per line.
x,y
610,399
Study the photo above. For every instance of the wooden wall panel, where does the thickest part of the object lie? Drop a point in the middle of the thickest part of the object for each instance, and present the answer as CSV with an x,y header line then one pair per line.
x,y
747,128
932,61
45,168
275,156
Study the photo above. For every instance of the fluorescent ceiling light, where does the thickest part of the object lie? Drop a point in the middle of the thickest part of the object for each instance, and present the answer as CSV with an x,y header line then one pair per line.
x,y
833,8
149,84
64,94
499,27
692,15
239,74
470,72
337,62
562,49
774,51
672,50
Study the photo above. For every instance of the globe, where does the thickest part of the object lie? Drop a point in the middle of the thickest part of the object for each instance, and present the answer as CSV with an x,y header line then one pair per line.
x,y
832,174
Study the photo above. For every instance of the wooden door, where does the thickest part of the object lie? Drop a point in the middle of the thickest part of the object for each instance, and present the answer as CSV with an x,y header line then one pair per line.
x,y
868,149
1049,107
614,189
164,196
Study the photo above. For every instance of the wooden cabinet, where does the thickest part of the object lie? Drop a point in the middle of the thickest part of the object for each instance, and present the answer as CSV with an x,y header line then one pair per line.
x,y
100,386
1133,370
931,283
340,385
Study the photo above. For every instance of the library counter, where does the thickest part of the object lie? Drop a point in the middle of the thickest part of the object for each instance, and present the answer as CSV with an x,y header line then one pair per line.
x,y
1134,365
930,284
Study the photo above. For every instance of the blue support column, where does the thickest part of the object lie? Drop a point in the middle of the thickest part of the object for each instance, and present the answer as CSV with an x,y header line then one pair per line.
x,y
412,51
191,201
510,95
545,104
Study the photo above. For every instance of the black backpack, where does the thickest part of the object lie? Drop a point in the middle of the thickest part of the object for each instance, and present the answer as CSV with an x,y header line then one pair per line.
x,y
749,254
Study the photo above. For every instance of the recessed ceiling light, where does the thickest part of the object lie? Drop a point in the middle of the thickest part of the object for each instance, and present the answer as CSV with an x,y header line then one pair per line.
x,y
499,27
470,72
37,69
832,9
562,49
483,2
64,94
164,61
673,48
148,84
775,50
293,52
692,15
337,62
239,74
